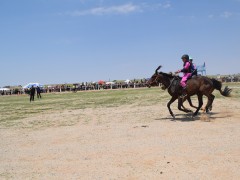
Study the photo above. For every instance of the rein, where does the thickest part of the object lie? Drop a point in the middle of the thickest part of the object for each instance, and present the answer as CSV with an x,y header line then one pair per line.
x,y
171,82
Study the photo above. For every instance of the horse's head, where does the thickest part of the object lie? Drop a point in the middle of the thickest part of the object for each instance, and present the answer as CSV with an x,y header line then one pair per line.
x,y
159,78
153,81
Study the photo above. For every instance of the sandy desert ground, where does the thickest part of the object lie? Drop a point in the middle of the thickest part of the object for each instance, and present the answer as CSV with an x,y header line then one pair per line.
x,y
128,141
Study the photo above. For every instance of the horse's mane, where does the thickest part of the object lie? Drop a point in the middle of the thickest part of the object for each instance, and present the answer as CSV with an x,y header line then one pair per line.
x,y
169,75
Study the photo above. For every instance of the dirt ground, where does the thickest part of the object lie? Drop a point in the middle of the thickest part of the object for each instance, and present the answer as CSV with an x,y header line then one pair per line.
x,y
126,142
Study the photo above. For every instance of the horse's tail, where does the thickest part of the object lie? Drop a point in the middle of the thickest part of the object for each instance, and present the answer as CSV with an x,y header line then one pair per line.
x,y
218,85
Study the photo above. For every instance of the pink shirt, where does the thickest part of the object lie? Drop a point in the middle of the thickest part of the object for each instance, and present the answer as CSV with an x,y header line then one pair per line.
x,y
186,67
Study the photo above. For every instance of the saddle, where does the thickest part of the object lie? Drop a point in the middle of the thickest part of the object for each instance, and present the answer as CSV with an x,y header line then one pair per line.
x,y
176,87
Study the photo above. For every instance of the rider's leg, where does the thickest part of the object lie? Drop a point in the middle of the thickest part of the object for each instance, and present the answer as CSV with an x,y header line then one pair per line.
x,y
183,84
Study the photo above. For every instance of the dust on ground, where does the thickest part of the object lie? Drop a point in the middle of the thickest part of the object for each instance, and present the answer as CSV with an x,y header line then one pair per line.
x,y
126,142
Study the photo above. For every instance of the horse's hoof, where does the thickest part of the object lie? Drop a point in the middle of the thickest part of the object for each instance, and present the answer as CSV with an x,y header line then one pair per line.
x,y
194,115
210,108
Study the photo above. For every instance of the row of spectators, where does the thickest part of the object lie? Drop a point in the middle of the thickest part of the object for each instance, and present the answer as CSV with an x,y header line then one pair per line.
x,y
10,92
229,78
97,86
78,87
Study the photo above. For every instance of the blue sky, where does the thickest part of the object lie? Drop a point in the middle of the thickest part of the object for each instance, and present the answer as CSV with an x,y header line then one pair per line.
x,y
59,41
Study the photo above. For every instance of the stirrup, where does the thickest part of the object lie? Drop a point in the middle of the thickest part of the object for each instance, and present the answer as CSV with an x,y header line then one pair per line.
x,y
183,96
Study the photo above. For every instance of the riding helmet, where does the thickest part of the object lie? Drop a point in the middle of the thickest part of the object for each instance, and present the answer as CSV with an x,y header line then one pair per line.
x,y
185,56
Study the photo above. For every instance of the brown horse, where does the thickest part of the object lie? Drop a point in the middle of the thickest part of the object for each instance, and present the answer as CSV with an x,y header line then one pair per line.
x,y
197,85
173,88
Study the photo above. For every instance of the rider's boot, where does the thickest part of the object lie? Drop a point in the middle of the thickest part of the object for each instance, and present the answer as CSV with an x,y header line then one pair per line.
x,y
184,92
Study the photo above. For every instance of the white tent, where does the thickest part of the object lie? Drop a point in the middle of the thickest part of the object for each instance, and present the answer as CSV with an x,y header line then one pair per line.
x,y
127,81
4,89
29,85
110,83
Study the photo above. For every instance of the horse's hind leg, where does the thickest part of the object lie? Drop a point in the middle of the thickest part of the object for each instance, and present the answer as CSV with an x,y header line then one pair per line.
x,y
210,102
210,107
200,103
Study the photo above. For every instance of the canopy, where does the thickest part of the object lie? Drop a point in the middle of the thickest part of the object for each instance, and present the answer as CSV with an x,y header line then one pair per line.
x,y
101,82
127,81
29,85
110,83
4,89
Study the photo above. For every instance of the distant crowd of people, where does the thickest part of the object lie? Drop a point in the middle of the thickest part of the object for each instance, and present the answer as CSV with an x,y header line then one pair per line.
x,y
95,86
85,86
229,78
10,92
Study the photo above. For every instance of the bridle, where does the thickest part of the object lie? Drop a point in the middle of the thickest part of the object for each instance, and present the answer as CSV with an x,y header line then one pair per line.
x,y
171,82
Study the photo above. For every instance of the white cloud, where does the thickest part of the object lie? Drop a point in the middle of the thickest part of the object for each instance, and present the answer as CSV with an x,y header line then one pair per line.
x,y
158,6
121,9
167,5
227,14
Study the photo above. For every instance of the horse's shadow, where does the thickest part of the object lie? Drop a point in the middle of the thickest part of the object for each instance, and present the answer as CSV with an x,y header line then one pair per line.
x,y
188,117
178,117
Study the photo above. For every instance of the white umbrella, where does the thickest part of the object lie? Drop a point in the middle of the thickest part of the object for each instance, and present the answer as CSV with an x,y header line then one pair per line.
x,y
29,85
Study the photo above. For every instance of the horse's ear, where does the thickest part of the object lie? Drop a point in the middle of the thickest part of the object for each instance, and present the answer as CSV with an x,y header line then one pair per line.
x,y
159,67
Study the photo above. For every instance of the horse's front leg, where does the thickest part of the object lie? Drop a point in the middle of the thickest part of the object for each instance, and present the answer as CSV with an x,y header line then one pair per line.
x,y
190,102
169,104
180,105
185,109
